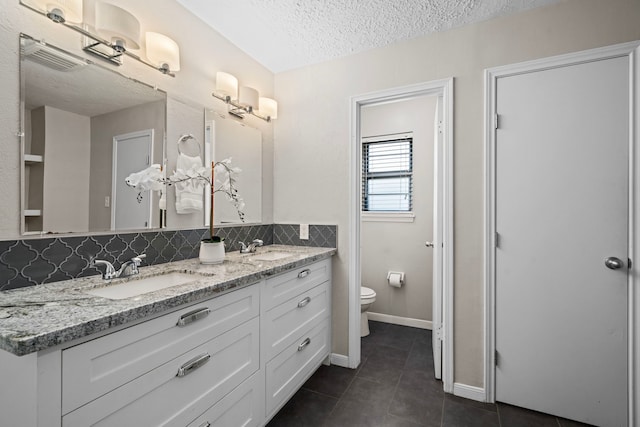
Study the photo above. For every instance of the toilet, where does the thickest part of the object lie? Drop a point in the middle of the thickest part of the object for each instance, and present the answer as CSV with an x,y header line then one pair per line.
x,y
367,297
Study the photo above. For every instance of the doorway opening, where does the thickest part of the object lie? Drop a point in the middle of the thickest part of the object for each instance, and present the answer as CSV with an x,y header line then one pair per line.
x,y
438,94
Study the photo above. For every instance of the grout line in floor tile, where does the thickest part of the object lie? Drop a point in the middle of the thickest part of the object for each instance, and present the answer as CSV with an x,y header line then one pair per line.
x,y
340,399
320,393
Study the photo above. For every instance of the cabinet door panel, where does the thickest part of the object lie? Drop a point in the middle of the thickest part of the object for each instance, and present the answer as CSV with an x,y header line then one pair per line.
x,y
286,372
244,406
286,286
284,323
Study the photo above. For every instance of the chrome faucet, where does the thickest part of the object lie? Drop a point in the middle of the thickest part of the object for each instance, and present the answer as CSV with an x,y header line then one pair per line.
x,y
244,249
109,271
128,268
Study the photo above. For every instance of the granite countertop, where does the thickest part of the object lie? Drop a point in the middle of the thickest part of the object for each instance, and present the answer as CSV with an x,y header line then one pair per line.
x,y
39,317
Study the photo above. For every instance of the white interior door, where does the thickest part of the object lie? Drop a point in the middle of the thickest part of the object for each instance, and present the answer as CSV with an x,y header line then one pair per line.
x,y
130,208
561,210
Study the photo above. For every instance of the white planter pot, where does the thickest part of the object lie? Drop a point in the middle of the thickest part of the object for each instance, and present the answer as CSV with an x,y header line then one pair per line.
x,y
211,252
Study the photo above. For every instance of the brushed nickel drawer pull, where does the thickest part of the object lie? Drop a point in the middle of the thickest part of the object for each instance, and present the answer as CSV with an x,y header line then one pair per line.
x,y
304,273
193,364
205,424
192,316
304,343
304,302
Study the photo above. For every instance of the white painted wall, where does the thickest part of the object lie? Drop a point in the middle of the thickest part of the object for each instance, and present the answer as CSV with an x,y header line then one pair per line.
x,y
399,246
313,131
203,52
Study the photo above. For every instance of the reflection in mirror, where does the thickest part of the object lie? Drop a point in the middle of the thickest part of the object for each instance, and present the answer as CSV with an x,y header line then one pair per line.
x,y
228,138
85,128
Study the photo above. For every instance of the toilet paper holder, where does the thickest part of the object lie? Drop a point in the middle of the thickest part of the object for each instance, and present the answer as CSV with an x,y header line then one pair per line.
x,y
395,278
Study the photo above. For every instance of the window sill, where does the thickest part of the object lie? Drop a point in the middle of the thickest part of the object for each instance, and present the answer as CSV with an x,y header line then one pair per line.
x,y
388,216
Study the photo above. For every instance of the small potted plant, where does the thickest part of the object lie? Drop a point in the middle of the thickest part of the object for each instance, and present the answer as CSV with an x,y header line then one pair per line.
x,y
211,249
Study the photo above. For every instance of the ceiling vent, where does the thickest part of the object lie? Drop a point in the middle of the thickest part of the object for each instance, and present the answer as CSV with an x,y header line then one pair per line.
x,y
50,57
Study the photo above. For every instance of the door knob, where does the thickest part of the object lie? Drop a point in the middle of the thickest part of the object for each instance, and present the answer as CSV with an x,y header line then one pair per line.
x,y
428,244
613,263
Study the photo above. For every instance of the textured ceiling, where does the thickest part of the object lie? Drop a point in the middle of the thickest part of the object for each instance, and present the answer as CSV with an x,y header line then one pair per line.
x,y
287,34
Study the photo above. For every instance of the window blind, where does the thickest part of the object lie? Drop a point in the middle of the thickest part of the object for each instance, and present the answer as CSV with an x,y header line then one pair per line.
x,y
387,175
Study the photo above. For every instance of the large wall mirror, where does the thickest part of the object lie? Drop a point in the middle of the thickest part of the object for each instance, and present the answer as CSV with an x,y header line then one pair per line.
x,y
85,128
229,138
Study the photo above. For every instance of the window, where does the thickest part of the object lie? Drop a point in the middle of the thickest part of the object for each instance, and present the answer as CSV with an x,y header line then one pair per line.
x,y
387,166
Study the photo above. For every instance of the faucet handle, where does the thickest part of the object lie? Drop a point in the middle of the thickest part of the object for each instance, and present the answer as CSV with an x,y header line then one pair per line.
x,y
138,258
109,271
135,263
258,242
243,247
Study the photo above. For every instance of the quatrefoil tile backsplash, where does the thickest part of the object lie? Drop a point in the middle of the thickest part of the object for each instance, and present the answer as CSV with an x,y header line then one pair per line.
x,y
30,262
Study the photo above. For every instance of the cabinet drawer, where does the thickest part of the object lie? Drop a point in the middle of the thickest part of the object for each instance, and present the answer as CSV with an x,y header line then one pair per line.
x,y
286,372
244,406
284,323
91,369
286,286
163,398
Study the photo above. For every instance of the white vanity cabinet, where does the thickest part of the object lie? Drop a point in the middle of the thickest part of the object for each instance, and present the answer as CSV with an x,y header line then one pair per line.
x,y
296,329
96,367
232,360
160,373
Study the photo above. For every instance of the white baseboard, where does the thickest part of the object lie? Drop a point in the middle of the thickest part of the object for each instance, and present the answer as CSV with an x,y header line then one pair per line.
x,y
469,392
403,321
340,360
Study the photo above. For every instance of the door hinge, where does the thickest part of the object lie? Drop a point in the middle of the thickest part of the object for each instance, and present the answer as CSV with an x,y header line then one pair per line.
x,y
439,333
496,121
497,240
629,264
496,358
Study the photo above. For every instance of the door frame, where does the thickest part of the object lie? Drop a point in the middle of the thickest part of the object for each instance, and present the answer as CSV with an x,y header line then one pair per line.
x,y
632,51
114,168
443,88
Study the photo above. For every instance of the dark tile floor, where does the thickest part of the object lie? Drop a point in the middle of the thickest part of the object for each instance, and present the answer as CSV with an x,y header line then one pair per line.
x,y
394,386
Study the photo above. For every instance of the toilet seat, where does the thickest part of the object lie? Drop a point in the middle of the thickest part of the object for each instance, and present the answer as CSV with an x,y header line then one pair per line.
x,y
367,292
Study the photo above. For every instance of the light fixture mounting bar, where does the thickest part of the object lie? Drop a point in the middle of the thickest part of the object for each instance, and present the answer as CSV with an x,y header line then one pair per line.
x,y
91,47
239,110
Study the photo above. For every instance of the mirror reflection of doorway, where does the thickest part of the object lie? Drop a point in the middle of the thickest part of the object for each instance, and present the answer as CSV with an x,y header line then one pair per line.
x,y
130,208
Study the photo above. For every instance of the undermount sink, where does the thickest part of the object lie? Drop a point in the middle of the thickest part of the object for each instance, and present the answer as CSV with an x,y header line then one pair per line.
x,y
135,287
271,256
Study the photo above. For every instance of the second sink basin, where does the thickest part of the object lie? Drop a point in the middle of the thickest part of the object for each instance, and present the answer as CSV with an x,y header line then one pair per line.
x,y
271,256
137,287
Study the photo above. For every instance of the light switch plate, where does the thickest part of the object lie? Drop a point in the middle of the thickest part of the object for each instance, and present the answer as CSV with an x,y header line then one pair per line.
x,y
304,231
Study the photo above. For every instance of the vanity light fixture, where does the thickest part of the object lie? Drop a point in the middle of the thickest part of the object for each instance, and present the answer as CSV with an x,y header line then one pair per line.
x,y
62,10
245,101
163,52
116,32
117,25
